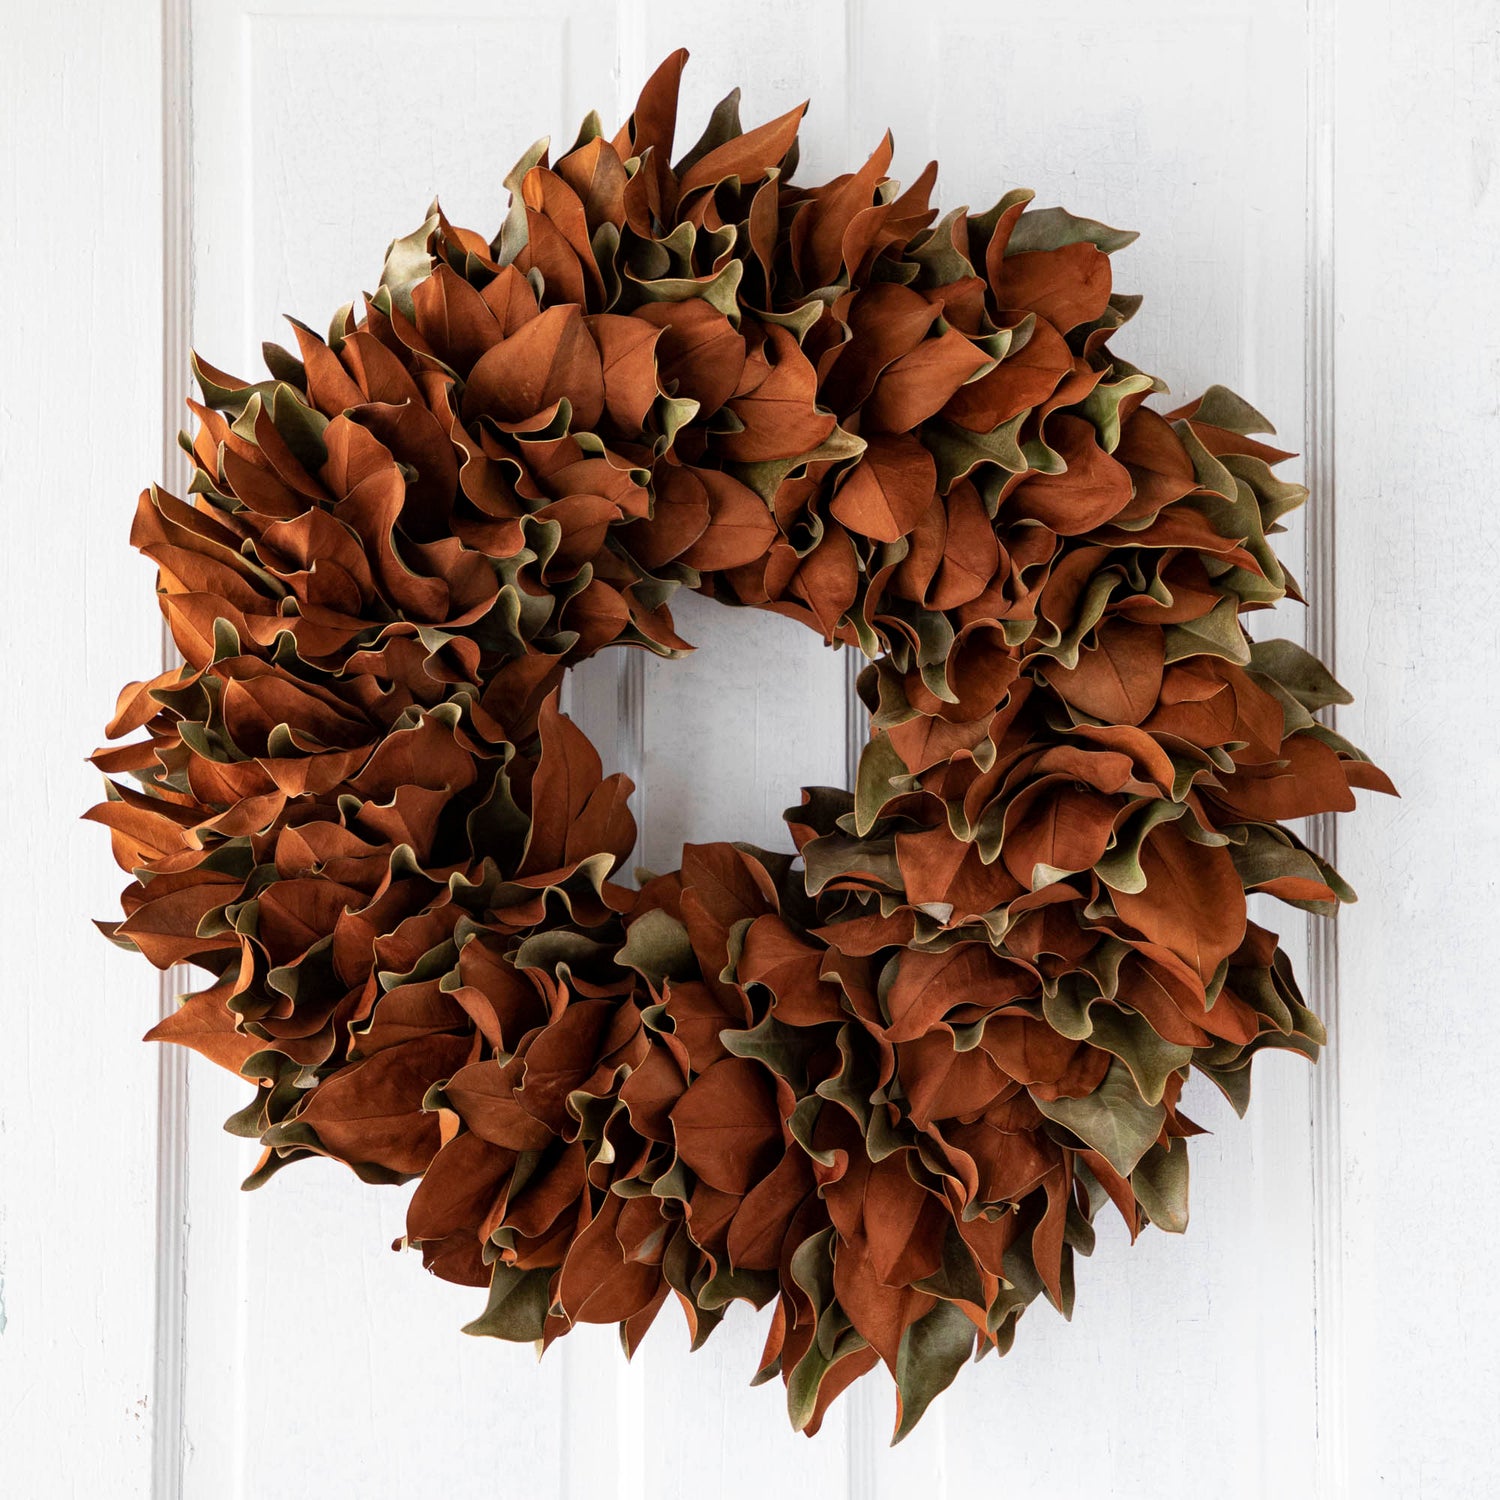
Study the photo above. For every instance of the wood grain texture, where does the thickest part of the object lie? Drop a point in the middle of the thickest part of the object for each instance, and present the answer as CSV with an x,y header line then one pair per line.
x,y
728,736
80,417
319,134
1157,126
1418,225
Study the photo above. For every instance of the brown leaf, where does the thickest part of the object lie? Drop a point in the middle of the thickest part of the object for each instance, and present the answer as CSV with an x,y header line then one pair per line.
x,y
1117,679
1093,489
551,358
885,493
1058,824
929,985
567,774
739,529
919,384
790,967
370,1113
727,1125
776,401
1193,902
627,361
749,156
205,1023
1067,286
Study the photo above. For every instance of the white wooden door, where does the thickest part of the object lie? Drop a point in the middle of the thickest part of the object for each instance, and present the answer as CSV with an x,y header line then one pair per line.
x,y
1316,190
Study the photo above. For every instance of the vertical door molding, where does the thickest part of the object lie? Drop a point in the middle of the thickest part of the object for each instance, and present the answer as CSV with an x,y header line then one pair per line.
x,y
167,1429
1323,942
320,128
717,744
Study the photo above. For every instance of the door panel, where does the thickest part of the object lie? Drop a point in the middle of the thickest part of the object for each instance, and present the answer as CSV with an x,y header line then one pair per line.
x,y
1160,126
320,129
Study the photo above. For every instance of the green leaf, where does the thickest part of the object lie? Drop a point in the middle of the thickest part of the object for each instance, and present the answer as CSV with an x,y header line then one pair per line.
x,y
517,1309
301,428
1273,853
1120,869
1211,474
1119,1124
836,854
723,125
407,262
1299,672
938,256
784,1049
720,291
1220,407
1131,1038
1160,1185
879,766
800,320
1233,1083
932,1352
1102,406
957,451
1052,228
512,237
657,946
1218,633
767,477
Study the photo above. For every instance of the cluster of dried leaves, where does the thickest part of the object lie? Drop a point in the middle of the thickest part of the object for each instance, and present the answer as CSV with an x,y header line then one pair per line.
x,y
882,1086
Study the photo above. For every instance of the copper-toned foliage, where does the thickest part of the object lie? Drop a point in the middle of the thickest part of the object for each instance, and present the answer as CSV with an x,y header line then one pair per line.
x,y
882,1086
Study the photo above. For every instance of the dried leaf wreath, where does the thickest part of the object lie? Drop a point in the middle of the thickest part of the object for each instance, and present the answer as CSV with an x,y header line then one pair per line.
x,y
881,1086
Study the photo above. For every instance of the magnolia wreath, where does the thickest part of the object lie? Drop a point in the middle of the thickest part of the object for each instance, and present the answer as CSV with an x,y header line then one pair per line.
x,y
880,1085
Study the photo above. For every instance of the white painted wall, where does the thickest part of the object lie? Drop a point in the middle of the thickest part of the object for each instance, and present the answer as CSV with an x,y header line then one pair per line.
x,y
1318,192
